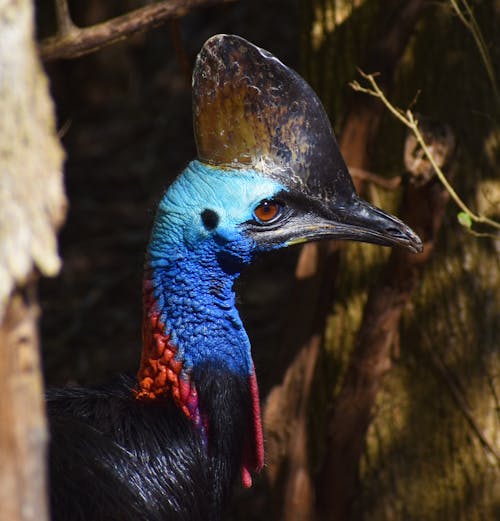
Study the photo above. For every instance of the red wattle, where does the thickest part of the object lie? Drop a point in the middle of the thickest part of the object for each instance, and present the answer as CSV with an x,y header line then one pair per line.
x,y
253,456
160,374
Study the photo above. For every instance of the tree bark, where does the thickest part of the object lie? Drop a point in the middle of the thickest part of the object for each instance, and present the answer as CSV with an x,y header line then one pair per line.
x,y
412,391
371,359
23,435
313,301
32,207
286,413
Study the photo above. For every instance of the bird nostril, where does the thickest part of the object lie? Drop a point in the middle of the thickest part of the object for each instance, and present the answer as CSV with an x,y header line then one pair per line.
x,y
405,237
394,231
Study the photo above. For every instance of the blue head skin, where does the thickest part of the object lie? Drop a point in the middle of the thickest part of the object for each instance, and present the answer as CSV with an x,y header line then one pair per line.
x,y
198,247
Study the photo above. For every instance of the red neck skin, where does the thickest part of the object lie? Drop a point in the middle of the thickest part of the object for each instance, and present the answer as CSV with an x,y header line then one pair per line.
x,y
161,376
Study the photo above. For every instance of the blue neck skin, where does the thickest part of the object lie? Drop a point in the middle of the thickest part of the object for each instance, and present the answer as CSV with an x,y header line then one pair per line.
x,y
193,265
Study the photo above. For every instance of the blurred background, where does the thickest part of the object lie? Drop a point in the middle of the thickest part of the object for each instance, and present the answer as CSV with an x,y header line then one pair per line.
x,y
424,440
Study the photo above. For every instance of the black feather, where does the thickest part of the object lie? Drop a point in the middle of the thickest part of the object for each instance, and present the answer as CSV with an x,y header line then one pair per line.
x,y
115,458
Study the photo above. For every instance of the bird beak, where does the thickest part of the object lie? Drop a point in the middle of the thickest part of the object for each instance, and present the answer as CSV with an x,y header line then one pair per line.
x,y
248,106
355,220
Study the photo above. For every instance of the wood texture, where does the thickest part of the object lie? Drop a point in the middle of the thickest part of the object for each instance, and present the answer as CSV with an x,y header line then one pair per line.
x,y
313,298
32,206
32,201
371,359
73,42
23,435
413,430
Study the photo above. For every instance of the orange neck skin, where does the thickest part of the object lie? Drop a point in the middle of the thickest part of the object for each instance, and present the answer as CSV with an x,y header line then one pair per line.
x,y
160,375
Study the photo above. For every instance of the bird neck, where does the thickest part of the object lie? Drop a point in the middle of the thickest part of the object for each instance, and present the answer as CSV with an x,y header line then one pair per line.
x,y
192,330
190,319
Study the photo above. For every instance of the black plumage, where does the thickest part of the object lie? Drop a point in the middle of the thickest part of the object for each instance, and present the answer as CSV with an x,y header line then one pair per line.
x,y
115,458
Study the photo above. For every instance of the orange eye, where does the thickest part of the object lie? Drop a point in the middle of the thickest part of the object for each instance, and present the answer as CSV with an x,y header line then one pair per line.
x,y
267,211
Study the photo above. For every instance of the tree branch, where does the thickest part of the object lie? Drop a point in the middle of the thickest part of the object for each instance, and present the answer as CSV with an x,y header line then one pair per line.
x,y
408,119
64,21
72,42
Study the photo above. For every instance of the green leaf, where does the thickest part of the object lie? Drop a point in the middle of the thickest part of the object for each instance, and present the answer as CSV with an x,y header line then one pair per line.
x,y
464,219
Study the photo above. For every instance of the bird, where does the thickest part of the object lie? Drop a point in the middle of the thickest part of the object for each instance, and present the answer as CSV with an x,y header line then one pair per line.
x,y
171,443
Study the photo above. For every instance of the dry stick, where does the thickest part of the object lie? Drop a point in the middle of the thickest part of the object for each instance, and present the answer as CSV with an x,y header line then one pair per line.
x,y
408,119
72,41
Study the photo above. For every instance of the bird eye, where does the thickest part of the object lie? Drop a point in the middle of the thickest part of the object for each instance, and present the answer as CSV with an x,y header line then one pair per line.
x,y
267,211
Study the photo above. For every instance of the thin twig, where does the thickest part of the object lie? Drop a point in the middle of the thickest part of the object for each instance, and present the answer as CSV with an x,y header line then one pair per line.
x,y
64,129
469,20
80,41
408,119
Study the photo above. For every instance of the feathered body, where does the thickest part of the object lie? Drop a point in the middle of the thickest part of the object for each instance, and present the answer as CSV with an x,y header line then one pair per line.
x,y
110,459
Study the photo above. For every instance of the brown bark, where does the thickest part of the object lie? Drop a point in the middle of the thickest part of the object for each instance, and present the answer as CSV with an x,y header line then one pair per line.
x,y
287,406
289,445
73,42
417,442
423,209
32,207
23,434
361,126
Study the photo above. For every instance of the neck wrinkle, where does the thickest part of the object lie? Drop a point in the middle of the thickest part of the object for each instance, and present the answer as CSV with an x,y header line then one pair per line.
x,y
189,319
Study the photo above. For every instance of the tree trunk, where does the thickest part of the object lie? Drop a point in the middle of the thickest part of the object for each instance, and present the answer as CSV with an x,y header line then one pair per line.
x,y
23,434
411,410
31,209
313,301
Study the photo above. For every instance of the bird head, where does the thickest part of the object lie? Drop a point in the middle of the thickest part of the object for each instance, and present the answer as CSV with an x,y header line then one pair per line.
x,y
269,172
269,155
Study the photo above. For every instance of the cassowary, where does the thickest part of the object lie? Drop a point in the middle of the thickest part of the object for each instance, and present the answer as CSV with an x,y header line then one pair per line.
x,y
170,444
